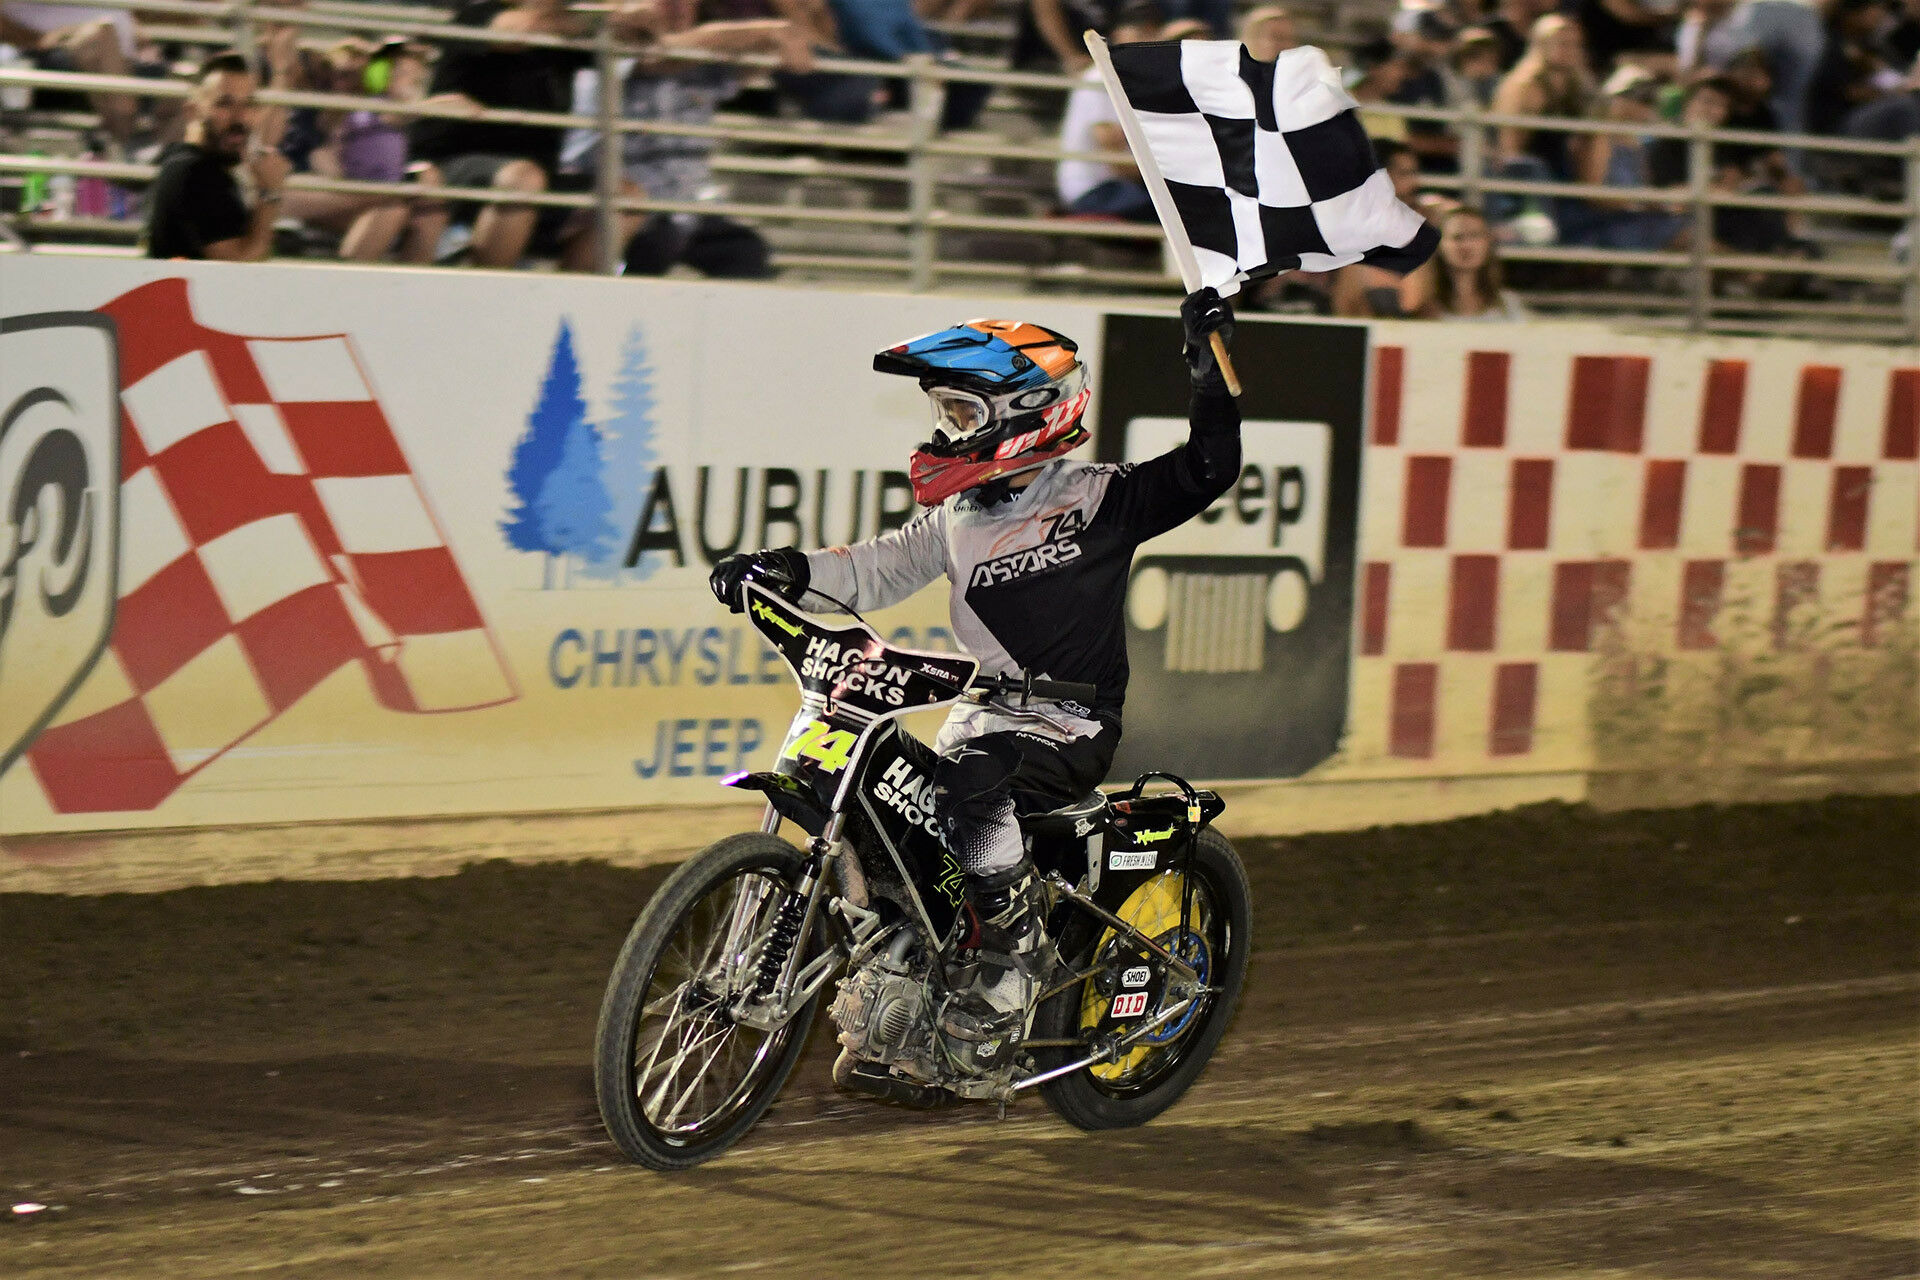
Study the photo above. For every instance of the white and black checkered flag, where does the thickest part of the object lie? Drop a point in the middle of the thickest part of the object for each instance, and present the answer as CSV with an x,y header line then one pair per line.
x,y
1260,167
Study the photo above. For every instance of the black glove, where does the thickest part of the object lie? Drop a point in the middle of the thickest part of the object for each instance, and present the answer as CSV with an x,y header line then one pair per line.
x,y
1204,312
782,570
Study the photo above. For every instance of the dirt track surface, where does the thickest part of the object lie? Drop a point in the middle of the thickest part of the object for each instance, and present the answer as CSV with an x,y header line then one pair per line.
x,y
1548,1042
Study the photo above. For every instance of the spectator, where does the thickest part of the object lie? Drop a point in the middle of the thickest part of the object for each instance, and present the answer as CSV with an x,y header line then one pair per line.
x,y
1268,31
370,146
1186,29
1788,32
60,37
1092,186
1850,72
1462,281
1635,29
1551,80
194,206
673,90
1476,67
1051,33
1425,41
820,95
1362,289
1707,103
1629,96
890,31
1511,26
1374,73
514,158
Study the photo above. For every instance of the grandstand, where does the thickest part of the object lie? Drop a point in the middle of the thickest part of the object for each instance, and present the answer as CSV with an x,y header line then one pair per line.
x,y
899,200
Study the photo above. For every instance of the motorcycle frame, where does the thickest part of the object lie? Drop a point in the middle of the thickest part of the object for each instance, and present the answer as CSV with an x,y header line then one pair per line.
x,y
810,803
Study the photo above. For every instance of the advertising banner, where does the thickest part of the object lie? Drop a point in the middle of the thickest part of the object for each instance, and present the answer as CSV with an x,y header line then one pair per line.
x,y
286,543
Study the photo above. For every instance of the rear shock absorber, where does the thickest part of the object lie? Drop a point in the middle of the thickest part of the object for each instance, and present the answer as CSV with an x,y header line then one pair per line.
x,y
781,936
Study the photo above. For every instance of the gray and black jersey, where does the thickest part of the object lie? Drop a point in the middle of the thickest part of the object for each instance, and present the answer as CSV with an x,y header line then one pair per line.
x,y
1038,579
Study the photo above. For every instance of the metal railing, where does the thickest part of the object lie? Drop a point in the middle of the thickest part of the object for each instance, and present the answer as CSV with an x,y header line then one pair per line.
x,y
919,151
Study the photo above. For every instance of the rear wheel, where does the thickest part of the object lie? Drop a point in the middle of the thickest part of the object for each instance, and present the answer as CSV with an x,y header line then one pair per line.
x,y
680,1080
1151,1074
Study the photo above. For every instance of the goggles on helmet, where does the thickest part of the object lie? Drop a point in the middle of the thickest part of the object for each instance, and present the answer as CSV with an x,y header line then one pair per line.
x,y
969,424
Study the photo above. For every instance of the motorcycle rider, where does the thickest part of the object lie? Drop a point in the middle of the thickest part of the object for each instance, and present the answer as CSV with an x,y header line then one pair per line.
x,y
1038,549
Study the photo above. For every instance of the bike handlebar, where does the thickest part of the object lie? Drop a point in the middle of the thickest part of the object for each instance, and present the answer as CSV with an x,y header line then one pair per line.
x,y
1028,687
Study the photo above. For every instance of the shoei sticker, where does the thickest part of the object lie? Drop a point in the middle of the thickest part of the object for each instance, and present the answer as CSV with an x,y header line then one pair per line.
x,y
1136,976
1139,860
1131,1005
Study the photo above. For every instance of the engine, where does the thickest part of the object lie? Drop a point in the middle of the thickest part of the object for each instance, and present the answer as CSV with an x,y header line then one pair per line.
x,y
885,1011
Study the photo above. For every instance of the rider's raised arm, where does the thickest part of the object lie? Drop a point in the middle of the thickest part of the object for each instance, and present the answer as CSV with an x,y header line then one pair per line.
x,y
1163,492
883,570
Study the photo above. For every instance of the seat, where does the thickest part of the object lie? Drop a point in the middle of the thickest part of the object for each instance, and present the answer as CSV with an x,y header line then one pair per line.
x,y
1076,819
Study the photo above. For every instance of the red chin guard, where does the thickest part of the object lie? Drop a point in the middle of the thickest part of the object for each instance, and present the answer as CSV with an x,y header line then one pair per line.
x,y
935,479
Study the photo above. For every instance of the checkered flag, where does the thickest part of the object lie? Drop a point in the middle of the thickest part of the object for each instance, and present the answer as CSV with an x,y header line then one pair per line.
x,y
272,533
1256,167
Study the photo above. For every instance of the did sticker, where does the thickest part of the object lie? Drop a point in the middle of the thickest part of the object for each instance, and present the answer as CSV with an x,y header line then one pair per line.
x,y
1130,1005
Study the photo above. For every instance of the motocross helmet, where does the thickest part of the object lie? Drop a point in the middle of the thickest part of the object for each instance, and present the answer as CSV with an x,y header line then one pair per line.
x,y
1007,397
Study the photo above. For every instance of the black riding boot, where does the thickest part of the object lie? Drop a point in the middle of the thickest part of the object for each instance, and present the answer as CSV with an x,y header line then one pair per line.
x,y
1012,962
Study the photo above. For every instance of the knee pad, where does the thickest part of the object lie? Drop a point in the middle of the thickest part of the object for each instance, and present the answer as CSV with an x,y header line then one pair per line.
x,y
972,802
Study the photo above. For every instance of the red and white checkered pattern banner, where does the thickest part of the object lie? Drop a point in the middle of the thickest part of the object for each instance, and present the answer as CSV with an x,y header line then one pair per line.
x,y
272,533
1523,494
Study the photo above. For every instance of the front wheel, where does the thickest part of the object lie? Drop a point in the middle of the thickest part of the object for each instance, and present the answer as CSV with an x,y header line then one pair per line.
x,y
1151,1074
679,1080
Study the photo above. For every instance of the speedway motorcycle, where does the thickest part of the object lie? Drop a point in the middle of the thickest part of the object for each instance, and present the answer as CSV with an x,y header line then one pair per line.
x,y
712,997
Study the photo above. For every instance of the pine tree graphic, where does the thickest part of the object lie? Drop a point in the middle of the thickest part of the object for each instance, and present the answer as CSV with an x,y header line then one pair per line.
x,y
573,506
627,446
540,453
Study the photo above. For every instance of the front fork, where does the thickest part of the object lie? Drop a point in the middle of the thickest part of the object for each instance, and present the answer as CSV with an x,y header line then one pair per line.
x,y
782,981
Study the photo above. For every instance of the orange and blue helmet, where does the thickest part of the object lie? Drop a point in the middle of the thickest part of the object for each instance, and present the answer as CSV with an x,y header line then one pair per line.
x,y
1007,397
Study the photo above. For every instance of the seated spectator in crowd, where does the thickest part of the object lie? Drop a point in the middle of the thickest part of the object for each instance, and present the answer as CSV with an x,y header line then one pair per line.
x,y
1476,67
371,146
1851,71
1091,186
1734,169
1630,96
1551,80
194,205
1373,74
515,158
1788,32
1511,25
1051,32
1462,280
891,31
61,37
672,90
1268,31
1641,31
1364,290
1186,29
1425,40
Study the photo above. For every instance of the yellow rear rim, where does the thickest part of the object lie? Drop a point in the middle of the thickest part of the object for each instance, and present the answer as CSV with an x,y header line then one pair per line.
x,y
1153,909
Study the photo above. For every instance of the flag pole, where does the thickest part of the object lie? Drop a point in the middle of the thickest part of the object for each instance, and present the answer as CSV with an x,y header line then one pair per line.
x,y
1156,186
